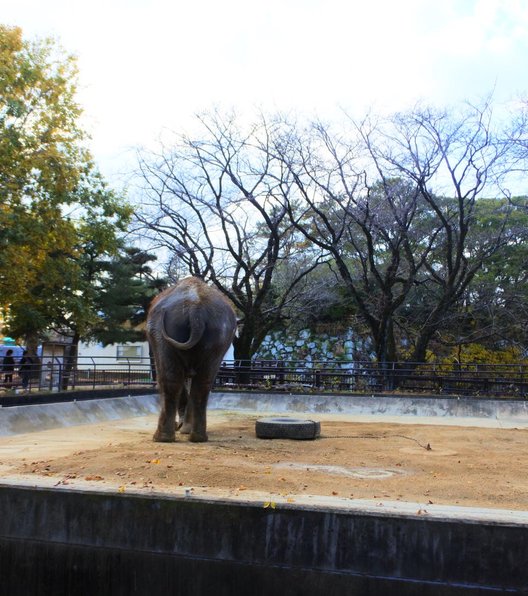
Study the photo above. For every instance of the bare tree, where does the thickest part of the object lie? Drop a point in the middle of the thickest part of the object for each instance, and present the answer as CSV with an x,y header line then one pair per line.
x,y
390,205
214,205
455,160
362,219
493,309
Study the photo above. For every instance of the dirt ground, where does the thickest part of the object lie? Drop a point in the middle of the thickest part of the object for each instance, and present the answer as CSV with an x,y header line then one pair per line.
x,y
484,467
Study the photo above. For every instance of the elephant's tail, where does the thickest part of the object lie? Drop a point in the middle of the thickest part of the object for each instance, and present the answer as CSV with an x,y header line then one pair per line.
x,y
197,330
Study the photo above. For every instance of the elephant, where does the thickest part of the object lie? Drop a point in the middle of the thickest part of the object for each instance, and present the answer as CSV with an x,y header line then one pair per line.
x,y
190,327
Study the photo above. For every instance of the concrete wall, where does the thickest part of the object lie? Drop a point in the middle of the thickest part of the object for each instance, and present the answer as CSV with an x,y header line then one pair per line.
x,y
382,405
29,418
24,419
58,541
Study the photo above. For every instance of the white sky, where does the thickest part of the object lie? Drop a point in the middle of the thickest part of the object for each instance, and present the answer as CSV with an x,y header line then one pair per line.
x,y
146,65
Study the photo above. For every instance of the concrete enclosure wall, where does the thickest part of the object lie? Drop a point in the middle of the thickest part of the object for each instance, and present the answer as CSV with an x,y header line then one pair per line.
x,y
386,405
30,418
20,419
58,541
61,541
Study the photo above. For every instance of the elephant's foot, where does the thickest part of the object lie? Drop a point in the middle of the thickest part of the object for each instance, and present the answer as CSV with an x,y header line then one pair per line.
x,y
164,437
198,437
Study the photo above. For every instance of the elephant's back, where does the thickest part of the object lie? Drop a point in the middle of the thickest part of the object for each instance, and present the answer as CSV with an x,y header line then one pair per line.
x,y
192,304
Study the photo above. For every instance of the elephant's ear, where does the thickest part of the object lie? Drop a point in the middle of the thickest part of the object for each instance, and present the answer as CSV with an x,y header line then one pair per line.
x,y
197,330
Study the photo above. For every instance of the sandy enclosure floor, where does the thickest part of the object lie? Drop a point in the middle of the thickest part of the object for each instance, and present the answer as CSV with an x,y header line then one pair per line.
x,y
481,467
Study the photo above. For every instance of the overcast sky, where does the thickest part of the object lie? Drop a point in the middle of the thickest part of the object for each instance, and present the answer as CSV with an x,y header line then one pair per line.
x,y
146,65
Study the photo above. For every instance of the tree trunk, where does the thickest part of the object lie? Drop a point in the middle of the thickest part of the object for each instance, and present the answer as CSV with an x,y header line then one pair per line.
x,y
32,342
242,356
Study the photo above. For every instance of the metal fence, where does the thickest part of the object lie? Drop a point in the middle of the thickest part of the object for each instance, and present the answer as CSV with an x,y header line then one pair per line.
x,y
296,375
56,374
369,377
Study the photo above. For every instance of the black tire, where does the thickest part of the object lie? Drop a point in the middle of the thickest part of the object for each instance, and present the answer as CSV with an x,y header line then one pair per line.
x,y
287,428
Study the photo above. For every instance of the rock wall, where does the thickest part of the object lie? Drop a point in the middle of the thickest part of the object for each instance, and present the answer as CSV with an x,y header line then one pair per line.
x,y
309,346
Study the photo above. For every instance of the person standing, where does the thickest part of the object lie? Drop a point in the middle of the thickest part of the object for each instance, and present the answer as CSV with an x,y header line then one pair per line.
x,y
8,367
25,369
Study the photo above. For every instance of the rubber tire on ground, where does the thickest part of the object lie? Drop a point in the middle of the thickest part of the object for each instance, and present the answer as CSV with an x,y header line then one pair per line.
x,y
287,428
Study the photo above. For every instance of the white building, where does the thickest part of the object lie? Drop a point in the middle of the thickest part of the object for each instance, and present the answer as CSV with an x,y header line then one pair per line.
x,y
134,354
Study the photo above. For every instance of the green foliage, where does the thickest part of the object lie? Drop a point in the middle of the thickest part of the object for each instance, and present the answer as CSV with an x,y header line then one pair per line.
x,y
124,295
492,312
41,158
61,227
40,151
65,275
479,354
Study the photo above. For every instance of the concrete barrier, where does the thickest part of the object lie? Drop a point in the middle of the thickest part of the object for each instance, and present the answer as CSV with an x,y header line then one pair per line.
x,y
386,405
59,541
29,418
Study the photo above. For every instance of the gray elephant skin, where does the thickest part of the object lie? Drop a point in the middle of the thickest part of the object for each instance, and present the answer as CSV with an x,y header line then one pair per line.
x,y
190,327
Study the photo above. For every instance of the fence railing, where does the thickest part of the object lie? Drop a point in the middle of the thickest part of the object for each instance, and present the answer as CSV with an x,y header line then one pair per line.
x,y
56,374
296,375
368,377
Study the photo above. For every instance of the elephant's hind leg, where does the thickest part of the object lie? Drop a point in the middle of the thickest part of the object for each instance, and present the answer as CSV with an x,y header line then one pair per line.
x,y
197,410
170,394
